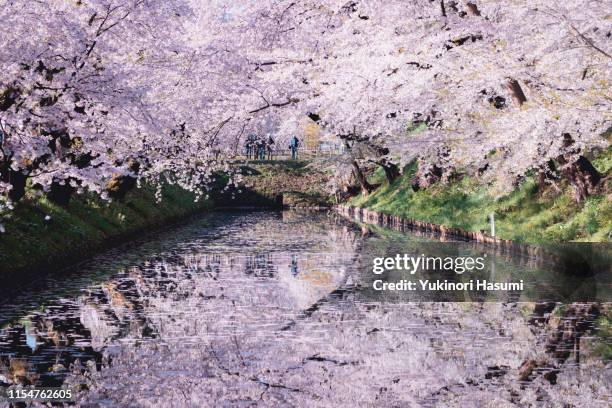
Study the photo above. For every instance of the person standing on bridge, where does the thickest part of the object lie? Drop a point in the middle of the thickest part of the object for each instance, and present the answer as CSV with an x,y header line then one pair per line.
x,y
249,145
294,145
260,149
270,146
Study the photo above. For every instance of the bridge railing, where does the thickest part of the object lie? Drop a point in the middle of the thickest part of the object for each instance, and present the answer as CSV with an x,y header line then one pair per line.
x,y
301,153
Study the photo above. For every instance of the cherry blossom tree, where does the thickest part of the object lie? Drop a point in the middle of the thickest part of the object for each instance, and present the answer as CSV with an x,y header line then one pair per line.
x,y
76,89
490,92
100,95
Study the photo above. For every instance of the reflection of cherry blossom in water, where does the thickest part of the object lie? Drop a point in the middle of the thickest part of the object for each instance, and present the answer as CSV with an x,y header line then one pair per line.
x,y
212,315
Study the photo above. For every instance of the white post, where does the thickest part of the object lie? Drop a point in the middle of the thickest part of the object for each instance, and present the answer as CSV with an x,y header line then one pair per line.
x,y
492,219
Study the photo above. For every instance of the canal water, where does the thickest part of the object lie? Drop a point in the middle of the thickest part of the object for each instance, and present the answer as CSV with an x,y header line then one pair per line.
x,y
277,309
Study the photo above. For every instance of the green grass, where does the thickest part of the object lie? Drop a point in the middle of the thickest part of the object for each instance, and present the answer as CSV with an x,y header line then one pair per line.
x,y
87,224
525,214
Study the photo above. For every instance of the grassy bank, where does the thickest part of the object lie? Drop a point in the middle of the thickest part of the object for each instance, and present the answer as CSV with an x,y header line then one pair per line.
x,y
85,226
525,215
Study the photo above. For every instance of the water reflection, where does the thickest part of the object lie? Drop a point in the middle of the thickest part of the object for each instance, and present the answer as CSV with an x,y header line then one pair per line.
x,y
271,309
120,300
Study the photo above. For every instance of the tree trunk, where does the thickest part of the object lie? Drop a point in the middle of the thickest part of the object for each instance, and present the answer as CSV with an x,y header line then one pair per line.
x,y
392,171
518,96
426,176
548,176
366,187
119,185
18,180
581,174
583,177
60,194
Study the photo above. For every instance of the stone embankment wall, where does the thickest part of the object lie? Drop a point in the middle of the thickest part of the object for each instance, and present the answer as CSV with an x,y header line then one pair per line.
x,y
405,224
